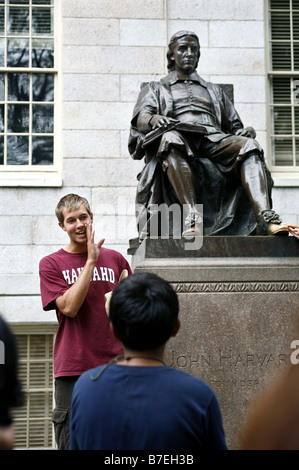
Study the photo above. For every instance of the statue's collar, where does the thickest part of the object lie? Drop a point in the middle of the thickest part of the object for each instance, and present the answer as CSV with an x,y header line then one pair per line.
x,y
174,77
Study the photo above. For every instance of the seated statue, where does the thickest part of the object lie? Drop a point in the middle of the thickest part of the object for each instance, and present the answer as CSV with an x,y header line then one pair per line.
x,y
197,151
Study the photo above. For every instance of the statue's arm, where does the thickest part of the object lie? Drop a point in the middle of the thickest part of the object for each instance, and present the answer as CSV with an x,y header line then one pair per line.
x,y
234,121
146,106
149,115
144,121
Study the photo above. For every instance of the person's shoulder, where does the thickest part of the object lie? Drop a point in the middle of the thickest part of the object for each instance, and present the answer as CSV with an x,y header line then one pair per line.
x,y
52,257
111,253
105,250
145,87
191,381
152,86
88,377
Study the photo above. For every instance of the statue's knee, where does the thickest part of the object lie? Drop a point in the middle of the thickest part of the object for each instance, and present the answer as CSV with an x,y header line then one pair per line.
x,y
252,162
170,137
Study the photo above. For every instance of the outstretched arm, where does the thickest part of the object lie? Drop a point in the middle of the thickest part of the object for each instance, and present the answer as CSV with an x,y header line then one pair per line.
x,y
70,302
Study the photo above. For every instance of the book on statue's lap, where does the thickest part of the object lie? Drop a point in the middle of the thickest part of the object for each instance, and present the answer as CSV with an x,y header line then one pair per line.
x,y
152,136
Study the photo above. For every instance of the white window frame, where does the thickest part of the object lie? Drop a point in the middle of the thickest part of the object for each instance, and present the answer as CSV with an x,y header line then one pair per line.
x,y
42,175
282,175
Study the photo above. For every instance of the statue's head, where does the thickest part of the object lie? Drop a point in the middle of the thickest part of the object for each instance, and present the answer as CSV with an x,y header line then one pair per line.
x,y
172,44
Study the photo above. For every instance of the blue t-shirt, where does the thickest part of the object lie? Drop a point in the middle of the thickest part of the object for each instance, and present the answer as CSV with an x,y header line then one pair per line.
x,y
144,408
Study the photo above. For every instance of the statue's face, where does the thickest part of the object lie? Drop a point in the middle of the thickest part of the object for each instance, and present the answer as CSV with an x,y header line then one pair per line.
x,y
185,54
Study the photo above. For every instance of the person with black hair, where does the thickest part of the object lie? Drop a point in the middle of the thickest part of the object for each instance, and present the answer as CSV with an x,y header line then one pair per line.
x,y
11,394
137,402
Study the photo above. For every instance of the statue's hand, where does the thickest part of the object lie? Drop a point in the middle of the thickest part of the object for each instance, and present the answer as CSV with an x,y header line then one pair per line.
x,y
157,120
247,132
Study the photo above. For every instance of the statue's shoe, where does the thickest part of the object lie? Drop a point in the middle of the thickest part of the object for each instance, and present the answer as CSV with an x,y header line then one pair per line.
x,y
191,232
278,229
269,223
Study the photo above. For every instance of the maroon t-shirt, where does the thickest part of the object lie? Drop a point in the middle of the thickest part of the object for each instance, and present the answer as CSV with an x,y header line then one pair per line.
x,y
85,341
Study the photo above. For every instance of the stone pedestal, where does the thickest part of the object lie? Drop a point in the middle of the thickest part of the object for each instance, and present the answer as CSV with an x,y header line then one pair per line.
x,y
239,299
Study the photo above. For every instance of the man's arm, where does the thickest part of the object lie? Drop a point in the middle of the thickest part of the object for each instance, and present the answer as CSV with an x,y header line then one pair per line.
x,y
234,121
70,302
147,114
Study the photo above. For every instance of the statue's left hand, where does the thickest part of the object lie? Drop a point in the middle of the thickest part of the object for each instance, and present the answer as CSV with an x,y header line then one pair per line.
x,y
247,132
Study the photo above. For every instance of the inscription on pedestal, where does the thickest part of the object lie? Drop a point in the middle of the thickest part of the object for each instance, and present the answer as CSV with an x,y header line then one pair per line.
x,y
227,359
239,301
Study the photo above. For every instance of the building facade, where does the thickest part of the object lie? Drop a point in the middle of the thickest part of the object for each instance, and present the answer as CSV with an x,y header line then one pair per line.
x,y
70,72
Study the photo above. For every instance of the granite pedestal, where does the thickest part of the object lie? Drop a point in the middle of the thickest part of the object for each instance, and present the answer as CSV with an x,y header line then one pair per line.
x,y
239,299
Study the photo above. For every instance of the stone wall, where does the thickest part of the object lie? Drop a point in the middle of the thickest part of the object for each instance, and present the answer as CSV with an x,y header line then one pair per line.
x,y
107,48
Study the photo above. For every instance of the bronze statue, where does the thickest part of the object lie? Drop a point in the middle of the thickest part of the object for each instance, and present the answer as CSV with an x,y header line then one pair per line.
x,y
197,151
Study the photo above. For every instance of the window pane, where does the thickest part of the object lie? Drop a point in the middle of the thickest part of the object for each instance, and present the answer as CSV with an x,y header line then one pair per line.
x,y
282,120
281,90
281,56
42,150
42,53
2,22
42,118
282,152
42,2
17,53
18,118
296,56
2,47
2,87
296,120
43,87
1,117
279,4
17,150
280,25
18,20
39,434
297,151
42,22
26,98
296,25
38,399
1,149
18,86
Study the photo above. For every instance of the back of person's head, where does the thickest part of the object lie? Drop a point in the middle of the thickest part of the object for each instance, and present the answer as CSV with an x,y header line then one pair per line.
x,y
69,203
144,310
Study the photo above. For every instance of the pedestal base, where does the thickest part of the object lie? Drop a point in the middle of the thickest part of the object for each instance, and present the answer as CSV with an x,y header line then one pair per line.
x,y
239,299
